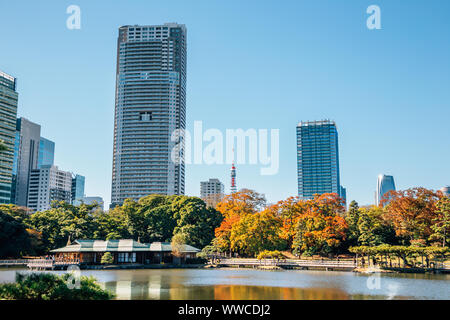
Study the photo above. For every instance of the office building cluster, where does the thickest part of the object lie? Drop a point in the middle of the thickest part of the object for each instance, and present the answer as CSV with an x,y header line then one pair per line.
x,y
28,176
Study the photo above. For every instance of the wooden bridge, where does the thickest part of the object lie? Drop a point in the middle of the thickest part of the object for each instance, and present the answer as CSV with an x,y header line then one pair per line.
x,y
290,263
13,263
44,264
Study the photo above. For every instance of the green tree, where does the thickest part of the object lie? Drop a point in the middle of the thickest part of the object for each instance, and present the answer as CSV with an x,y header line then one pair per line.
x,y
441,226
62,221
352,217
45,286
107,258
14,238
257,232
373,229
195,221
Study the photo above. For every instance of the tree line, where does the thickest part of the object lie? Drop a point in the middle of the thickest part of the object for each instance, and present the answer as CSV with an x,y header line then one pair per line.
x,y
152,218
322,226
242,223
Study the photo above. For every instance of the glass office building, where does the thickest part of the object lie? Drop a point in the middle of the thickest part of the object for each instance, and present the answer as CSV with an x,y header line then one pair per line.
x,y
46,152
27,158
150,107
77,188
8,116
384,185
318,159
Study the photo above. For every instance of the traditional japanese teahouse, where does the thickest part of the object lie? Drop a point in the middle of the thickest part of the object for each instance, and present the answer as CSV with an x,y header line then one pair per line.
x,y
123,251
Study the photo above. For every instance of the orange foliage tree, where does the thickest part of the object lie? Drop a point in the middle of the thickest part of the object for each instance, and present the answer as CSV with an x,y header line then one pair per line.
x,y
289,211
412,213
234,207
321,228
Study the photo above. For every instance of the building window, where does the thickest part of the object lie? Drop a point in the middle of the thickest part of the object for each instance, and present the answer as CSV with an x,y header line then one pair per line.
x,y
145,116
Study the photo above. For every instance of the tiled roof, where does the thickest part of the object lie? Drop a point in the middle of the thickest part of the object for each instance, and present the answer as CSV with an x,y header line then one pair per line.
x,y
127,245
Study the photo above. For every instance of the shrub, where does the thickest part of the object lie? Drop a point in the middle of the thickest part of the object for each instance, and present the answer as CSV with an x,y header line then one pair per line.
x,y
107,258
266,254
46,286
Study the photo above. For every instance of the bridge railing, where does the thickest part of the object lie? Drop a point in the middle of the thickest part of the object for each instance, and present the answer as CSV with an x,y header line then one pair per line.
x,y
13,262
288,262
50,263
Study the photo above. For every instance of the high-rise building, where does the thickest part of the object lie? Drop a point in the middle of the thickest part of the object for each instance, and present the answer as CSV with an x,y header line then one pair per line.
x,y
46,152
8,116
384,184
212,192
318,159
48,184
446,191
77,188
150,106
29,134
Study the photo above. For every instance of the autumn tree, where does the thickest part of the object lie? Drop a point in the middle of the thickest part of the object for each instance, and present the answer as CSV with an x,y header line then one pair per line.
x,y
255,233
321,229
441,226
412,213
289,211
234,207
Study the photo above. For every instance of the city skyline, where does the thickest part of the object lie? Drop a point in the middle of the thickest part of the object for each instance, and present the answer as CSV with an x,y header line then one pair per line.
x,y
369,112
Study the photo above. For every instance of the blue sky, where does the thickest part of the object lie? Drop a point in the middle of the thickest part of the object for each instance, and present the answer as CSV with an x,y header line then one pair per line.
x,y
251,64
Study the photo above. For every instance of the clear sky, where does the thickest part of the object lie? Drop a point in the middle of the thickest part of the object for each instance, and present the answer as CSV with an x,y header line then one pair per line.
x,y
251,64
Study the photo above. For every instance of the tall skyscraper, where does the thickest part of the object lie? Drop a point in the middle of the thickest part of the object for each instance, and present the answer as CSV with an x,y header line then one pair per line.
x,y
318,159
8,116
78,182
29,134
212,191
48,184
384,184
46,152
150,106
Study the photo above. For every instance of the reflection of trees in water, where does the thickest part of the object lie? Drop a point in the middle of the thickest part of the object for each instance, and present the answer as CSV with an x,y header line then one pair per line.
x,y
226,292
160,288
191,293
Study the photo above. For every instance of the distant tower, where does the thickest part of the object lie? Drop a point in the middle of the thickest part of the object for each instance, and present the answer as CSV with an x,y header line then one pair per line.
x,y
446,191
384,184
233,179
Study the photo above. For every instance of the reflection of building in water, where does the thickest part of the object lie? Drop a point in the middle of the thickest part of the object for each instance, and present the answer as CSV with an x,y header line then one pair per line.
x,y
123,290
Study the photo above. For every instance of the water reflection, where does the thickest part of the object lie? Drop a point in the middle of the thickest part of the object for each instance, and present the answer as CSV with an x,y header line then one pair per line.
x,y
230,284
136,290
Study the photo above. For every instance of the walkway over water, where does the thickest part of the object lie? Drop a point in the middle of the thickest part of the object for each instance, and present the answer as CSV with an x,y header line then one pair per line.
x,y
51,264
290,263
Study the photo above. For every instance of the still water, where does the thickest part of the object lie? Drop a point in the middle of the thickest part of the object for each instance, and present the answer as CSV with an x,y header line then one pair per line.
x,y
198,284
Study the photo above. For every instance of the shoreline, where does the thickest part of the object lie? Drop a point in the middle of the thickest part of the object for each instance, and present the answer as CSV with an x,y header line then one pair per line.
x,y
361,270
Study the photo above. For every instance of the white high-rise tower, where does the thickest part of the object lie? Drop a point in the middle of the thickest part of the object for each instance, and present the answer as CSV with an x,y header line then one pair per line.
x,y
150,106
